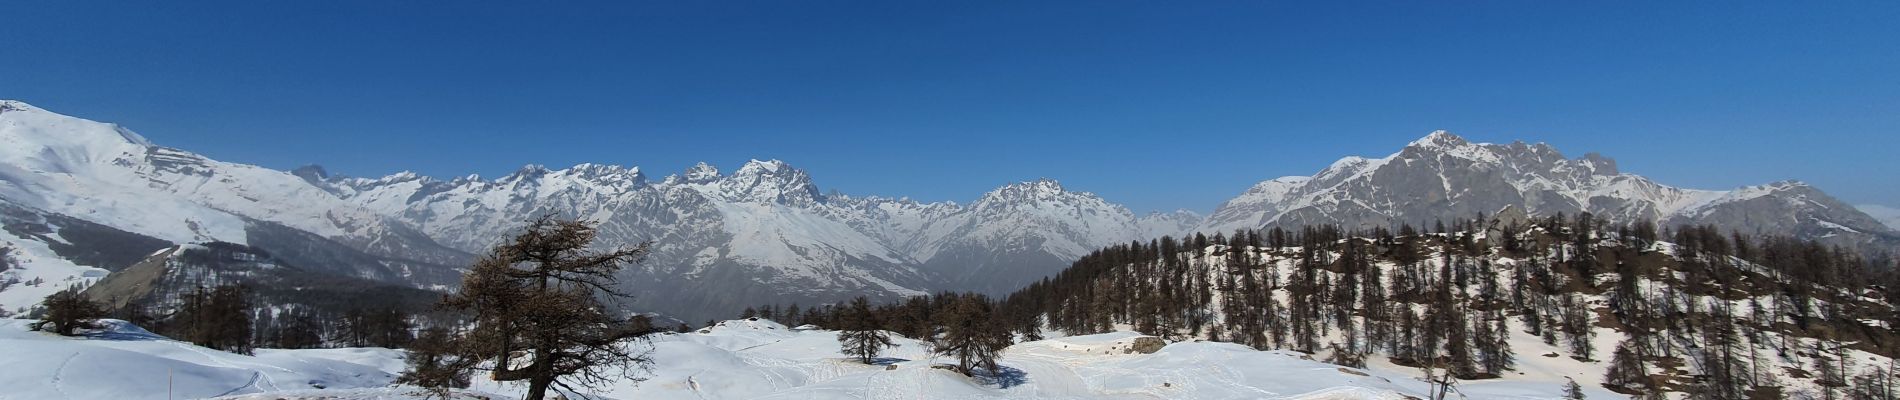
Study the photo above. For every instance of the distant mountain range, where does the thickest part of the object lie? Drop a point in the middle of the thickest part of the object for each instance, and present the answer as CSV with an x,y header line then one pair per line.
x,y
765,233
1444,176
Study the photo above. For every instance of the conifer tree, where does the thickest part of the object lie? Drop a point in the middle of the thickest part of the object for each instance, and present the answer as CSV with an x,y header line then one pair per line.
x,y
218,318
434,362
68,311
1572,391
539,296
1626,370
971,334
859,332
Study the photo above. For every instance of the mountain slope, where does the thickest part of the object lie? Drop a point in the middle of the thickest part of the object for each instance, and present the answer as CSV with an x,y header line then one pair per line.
x,y
1442,176
109,175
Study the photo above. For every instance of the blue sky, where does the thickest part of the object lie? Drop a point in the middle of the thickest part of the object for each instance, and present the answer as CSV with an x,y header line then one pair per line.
x,y
1149,103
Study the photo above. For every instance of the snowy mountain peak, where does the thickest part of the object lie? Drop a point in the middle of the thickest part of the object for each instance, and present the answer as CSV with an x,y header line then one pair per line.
x,y
771,181
1439,139
1044,189
768,166
15,105
607,173
1600,165
701,173
529,171
311,172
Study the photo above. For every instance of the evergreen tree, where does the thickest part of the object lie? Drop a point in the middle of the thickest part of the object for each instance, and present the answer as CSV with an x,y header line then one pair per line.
x,y
970,334
860,334
1572,390
434,362
1626,370
297,330
218,318
68,311
538,296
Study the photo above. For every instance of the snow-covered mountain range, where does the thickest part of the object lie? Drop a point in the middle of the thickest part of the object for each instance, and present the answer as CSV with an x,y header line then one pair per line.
x,y
762,233
1443,176
766,233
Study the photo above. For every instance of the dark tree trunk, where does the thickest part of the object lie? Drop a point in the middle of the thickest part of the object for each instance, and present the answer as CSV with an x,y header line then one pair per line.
x,y
538,387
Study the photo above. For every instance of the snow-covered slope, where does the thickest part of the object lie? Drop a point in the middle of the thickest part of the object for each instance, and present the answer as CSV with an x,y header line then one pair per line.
x,y
125,362
42,253
735,360
106,174
1442,176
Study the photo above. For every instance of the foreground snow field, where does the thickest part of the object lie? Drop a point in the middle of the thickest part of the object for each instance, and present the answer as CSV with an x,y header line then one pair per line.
x,y
736,360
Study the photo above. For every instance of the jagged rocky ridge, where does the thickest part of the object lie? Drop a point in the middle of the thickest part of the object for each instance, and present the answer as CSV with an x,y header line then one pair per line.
x,y
765,233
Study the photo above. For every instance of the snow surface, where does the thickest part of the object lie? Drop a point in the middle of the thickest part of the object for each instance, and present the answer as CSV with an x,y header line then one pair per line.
x,y
109,175
125,362
737,359
35,261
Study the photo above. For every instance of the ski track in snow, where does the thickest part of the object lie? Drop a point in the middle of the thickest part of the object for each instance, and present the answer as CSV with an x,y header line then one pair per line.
x,y
258,373
57,372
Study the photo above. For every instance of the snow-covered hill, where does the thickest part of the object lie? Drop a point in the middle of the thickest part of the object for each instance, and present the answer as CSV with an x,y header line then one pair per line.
x,y
735,360
125,362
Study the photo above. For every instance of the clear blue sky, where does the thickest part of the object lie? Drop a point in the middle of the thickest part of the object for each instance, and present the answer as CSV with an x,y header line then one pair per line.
x,y
1147,103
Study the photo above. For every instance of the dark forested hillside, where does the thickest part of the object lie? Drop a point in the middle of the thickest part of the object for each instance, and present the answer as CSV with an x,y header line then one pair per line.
x,y
247,297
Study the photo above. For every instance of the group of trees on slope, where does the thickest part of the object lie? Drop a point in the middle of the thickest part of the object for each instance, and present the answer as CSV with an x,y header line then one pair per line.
x,y
1734,309
1731,307
970,328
